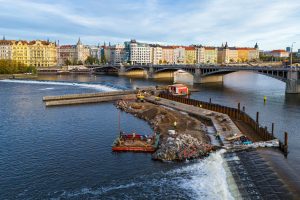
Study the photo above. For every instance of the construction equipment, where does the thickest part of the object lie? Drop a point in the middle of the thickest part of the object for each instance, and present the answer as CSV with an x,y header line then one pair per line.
x,y
140,97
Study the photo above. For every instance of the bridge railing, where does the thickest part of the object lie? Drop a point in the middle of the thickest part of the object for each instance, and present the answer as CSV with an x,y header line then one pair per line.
x,y
234,113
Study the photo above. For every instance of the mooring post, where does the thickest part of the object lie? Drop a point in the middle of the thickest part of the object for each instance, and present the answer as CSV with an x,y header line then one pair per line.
x,y
285,142
266,133
272,129
209,100
257,117
239,111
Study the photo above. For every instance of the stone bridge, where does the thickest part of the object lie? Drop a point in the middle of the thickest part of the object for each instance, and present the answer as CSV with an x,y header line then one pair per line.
x,y
211,73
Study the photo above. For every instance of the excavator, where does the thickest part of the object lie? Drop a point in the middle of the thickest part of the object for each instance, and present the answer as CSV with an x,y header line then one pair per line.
x,y
140,97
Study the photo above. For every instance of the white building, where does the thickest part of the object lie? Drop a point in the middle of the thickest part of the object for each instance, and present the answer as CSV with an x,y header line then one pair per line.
x,y
5,49
95,52
179,55
139,53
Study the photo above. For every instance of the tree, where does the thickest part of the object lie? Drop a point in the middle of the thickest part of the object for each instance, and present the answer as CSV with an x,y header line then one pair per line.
x,y
103,59
90,60
14,67
68,62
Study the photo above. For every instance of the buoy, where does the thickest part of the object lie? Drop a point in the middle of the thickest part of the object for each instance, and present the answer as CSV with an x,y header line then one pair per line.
x,y
265,99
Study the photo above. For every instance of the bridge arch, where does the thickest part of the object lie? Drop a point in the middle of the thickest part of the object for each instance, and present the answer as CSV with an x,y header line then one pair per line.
x,y
134,68
282,76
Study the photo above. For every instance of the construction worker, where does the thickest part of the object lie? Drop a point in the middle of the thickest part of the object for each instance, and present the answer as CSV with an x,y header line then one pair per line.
x,y
175,124
218,135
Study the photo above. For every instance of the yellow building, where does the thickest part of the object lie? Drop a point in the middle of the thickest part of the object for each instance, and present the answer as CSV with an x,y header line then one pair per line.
x,y
35,53
190,55
20,52
243,54
207,54
42,53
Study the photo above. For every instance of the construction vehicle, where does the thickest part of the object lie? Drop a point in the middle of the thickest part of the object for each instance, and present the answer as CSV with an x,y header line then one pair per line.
x,y
140,97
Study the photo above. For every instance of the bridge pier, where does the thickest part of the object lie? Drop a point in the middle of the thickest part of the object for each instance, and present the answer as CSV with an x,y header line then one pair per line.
x,y
149,73
122,71
292,83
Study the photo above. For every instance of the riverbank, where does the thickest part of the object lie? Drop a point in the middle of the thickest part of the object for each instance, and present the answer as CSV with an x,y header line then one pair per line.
x,y
18,76
188,140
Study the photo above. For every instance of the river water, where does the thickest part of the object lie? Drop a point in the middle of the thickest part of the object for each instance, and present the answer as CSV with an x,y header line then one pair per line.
x,y
65,152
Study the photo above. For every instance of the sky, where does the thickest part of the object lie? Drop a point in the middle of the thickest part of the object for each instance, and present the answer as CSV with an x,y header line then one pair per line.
x,y
273,24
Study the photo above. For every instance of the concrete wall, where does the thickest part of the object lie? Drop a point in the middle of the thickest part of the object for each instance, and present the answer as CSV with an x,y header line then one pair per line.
x,y
292,83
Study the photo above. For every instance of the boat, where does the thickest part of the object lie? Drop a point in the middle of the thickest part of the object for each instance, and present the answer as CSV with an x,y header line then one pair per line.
x,y
136,142
178,90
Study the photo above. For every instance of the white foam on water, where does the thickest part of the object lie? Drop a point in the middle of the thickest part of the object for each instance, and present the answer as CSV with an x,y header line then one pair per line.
x,y
207,178
96,192
84,85
203,179
47,88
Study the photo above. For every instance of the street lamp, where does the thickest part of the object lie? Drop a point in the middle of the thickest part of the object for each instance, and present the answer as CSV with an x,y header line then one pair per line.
x,y
292,54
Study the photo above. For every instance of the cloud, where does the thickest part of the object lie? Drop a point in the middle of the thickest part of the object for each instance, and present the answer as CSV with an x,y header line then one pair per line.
x,y
272,23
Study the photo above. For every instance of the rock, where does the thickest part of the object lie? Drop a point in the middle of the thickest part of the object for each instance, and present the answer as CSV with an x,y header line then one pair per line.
x,y
183,147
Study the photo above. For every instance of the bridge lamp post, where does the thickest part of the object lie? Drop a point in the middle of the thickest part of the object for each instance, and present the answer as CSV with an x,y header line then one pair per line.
x,y
292,53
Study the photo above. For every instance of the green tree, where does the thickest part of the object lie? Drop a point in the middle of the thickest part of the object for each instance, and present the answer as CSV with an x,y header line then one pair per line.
x,y
68,62
14,67
103,59
91,60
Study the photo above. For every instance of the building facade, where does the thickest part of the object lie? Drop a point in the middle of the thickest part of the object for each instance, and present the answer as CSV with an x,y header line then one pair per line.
x,y
280,53
35,53
117,54
179,55
139,53
73,54
156,54
168,55
42,54
190,55
5,49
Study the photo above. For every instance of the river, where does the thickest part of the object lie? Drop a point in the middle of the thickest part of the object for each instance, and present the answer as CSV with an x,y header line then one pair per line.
x,y
65,152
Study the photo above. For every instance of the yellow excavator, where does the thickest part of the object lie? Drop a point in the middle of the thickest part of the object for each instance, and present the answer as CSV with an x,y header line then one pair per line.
x,y
140,97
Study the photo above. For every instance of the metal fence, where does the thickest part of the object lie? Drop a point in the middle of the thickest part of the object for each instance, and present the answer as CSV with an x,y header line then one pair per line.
x,y
236,114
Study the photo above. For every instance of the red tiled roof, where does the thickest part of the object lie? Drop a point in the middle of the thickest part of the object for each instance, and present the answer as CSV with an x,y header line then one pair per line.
x,y
279,51
245,48
210,48
189,48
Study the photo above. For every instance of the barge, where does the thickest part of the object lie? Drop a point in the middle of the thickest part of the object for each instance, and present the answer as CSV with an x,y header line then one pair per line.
x,y
136,143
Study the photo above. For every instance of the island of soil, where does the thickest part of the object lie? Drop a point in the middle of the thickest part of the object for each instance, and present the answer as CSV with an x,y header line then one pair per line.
x,y
187,140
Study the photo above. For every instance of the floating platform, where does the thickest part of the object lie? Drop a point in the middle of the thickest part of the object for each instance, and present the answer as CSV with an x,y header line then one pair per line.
x,y
136,143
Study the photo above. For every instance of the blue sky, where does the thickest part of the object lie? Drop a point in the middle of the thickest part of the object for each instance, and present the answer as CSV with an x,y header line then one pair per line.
x,y
272,23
